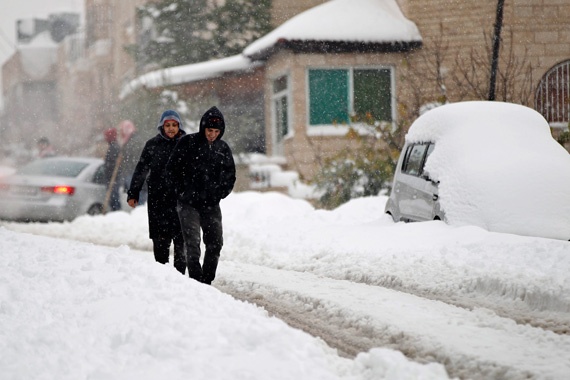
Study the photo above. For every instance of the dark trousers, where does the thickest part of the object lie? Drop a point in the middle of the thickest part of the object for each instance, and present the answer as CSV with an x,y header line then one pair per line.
x,y
210,221
161,248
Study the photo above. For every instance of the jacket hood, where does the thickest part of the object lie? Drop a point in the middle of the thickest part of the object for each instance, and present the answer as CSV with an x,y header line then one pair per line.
x,y
213,118
169,115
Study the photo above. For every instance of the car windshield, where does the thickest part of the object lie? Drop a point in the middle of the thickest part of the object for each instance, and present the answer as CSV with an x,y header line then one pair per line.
x,y
53,168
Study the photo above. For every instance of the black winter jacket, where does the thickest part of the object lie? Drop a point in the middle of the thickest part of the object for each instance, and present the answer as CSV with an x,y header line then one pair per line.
x,y
200,173
162,216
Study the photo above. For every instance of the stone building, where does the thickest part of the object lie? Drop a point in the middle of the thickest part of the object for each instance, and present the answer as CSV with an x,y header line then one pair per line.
x,y
450,61
30,84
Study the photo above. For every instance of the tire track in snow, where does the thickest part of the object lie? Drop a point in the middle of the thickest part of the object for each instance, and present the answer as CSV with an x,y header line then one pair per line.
x,y
353,318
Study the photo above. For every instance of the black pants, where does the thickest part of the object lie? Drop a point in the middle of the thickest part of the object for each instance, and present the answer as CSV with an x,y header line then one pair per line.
x,y
210,221
161,248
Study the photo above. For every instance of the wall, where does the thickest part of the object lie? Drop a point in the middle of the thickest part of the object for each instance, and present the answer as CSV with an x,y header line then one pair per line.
x,y
283,10
536,29
301,152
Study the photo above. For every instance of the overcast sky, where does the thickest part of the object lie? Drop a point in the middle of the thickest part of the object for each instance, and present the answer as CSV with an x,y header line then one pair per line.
x,y
25,9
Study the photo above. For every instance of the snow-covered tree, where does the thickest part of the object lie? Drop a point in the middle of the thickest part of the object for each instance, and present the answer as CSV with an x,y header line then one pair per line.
x,y
177,32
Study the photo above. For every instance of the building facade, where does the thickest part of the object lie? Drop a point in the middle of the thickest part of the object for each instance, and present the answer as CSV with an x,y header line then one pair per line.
x,y
451,64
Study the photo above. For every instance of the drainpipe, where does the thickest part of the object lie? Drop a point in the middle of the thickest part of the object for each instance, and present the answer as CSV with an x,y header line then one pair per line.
x,y
496,43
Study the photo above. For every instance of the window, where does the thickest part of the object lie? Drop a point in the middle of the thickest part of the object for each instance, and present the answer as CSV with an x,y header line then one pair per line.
x,y
52,168
280,104
99,176
337,94
415,158
552,98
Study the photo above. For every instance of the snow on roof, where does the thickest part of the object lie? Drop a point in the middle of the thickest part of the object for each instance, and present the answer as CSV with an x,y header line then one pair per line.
x,y
39,55
188,73
42,40
369,21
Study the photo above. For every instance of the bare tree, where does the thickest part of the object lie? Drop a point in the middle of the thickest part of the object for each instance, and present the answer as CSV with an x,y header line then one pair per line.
x,y
514,74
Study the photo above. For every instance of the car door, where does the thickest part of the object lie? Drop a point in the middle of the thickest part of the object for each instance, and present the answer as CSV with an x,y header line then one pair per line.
x,y
92,189
417,193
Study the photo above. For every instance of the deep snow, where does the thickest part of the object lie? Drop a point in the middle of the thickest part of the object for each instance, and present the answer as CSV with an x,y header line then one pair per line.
x,y
76,310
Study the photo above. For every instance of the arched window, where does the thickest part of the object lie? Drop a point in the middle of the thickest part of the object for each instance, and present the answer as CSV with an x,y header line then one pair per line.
x,y
552,97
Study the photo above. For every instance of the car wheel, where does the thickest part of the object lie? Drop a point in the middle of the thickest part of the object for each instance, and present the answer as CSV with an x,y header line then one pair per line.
x,y
96,209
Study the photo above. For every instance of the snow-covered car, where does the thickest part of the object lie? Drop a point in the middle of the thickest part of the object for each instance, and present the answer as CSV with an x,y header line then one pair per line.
x,y
488,164
53,189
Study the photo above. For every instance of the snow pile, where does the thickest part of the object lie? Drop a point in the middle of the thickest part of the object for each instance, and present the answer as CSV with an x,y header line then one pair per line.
x,y
72,310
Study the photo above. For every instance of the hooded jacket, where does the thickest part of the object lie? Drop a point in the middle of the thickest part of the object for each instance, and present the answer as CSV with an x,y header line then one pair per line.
x,y
200,173
162,216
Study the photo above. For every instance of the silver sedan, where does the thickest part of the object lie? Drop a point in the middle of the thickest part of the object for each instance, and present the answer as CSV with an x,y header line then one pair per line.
x,y
53,189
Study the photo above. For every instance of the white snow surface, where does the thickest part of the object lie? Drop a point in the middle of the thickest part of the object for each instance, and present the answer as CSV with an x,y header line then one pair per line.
x,y
188,73
344,20
39,56
87,300
490,159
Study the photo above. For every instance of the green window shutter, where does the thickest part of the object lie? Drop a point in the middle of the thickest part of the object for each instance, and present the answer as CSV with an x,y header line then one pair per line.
x,y
372,93
328,96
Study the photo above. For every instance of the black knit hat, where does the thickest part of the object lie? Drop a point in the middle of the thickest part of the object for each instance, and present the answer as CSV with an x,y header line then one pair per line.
x,y
213,118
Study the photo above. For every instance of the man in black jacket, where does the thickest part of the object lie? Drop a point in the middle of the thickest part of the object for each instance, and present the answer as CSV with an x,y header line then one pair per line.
x,y
202,172
163,222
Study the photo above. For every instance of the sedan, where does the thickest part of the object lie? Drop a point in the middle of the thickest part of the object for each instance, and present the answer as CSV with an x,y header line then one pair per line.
x,y
53,189
489,164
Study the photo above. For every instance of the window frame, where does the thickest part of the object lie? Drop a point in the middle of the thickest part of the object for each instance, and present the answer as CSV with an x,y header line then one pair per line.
x,y
340,129
283,94
552,95
428,149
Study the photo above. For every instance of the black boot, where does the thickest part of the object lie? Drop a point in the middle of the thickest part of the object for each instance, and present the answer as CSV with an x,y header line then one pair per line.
x,y
179,254
211,259
195,270
161,249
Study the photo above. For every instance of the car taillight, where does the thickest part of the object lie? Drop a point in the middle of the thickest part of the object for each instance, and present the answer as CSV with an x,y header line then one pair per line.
x,y
64,190
4,186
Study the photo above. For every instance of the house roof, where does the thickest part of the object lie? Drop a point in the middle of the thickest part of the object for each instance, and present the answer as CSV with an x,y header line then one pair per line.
x,y
39,56
333,27
188,73
342,26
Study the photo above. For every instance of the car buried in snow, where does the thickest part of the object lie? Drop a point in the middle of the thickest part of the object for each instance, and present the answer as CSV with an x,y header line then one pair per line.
x,y
53,189
490,164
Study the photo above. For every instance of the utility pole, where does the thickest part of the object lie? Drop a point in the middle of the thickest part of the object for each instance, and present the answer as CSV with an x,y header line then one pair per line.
x,y
496,45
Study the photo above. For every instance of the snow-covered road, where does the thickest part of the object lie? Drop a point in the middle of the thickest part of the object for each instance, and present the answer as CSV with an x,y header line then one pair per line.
x,y
475,344
484,305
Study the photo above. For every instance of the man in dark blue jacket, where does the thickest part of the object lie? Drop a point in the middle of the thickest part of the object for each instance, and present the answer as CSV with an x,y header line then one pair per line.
x,y
202,172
